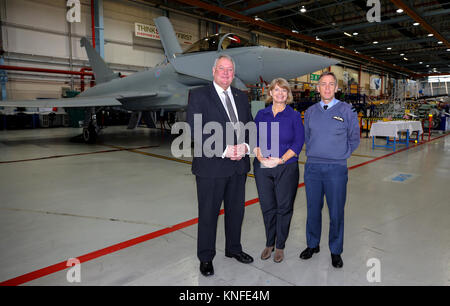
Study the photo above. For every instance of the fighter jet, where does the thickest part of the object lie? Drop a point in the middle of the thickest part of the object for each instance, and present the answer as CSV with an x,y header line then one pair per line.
x,y
166,86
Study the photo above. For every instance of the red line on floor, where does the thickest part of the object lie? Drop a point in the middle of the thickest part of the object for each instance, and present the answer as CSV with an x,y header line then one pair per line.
x,y
126,244
93,255
395,152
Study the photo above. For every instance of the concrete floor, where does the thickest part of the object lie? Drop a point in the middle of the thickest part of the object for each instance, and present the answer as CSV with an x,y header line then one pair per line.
x,y
62,199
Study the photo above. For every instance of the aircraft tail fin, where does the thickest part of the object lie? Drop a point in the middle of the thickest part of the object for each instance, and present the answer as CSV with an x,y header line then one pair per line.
x,y
168,38
101,71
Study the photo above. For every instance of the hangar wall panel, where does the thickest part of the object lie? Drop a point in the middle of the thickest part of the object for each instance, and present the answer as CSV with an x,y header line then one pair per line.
x,y
37,30
28,90
119,19
22,16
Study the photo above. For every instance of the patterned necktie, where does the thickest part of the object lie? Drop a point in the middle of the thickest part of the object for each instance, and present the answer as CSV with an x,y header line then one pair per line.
x,y
325,107
230,108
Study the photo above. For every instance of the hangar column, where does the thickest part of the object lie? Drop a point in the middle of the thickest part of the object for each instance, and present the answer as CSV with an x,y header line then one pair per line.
x,y
3,75
3,80
97,13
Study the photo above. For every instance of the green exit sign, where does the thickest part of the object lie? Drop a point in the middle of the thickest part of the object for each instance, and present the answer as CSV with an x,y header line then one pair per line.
x,y
314,77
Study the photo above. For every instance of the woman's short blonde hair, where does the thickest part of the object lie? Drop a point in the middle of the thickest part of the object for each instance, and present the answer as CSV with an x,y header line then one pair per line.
x,y
282,83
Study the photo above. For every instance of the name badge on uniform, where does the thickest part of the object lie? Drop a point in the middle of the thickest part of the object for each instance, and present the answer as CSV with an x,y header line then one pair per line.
x,y
338,118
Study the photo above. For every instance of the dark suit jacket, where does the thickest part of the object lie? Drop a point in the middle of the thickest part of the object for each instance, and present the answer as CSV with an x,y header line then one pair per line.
x,y
205,101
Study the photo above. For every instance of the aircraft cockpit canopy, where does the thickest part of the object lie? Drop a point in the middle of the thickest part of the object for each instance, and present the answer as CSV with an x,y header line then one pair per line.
x,y
225,40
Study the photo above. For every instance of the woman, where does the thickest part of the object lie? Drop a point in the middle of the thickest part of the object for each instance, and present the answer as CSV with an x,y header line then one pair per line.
x,y
276,165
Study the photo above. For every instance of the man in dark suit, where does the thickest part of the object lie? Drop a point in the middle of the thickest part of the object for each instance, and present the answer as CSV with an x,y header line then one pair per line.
x,y
221,176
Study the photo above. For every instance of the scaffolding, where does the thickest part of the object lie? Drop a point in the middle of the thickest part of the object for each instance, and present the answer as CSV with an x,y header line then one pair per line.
x,y
402,90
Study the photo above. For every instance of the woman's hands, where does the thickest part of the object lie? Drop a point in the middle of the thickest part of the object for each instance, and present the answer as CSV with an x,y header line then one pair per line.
x,y
267,162
271,162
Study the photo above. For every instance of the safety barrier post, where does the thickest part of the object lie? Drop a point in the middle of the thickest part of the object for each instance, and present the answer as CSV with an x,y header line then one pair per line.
x,y
430,122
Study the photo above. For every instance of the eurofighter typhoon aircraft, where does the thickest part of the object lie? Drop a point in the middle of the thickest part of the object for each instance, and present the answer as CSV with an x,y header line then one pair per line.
x,y
166,86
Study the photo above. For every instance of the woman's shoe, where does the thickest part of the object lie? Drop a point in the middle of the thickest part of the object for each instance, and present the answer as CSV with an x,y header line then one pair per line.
x,y
267,253
279,256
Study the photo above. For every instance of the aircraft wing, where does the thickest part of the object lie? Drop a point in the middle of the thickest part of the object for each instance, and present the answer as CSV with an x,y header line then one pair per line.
x,y
138,96
117,99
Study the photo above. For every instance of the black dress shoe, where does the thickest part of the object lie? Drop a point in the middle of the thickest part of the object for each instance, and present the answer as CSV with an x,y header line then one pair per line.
x,y
336,261
308,252
207,268
241,257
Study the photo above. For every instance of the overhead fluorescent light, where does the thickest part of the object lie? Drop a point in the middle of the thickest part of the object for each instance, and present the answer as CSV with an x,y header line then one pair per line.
x,y
416,24
389,48
430,35
294,31
375,42
399,11
355,33
349,35
303,9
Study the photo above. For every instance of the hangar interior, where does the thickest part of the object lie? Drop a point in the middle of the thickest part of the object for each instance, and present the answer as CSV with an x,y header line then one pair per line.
x,y
127,208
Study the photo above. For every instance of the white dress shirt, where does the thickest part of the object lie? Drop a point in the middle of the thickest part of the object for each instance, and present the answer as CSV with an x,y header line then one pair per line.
x,y
224,103
222,99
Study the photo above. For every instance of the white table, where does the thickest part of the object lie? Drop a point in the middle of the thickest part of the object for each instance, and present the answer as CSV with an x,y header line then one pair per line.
x,y
391,129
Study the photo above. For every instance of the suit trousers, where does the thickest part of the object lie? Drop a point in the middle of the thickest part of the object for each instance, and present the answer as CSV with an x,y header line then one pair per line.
x,y
329,180
277,188
210,193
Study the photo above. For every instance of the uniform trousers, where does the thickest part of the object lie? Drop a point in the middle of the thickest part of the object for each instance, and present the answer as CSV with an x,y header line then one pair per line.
x,y
329,180
277,188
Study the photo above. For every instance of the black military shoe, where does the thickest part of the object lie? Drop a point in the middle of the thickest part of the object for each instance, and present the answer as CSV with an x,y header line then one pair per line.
x,y
308,252
336,261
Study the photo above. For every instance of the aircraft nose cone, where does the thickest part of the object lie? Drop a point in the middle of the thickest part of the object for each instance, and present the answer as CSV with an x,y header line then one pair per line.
x,y
290,64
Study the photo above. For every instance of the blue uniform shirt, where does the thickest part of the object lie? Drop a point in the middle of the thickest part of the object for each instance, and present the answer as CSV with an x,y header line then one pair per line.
x,y
291,132
331,104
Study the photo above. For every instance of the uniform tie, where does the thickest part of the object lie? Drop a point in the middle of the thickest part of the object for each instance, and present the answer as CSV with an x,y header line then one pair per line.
x,y
325,107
